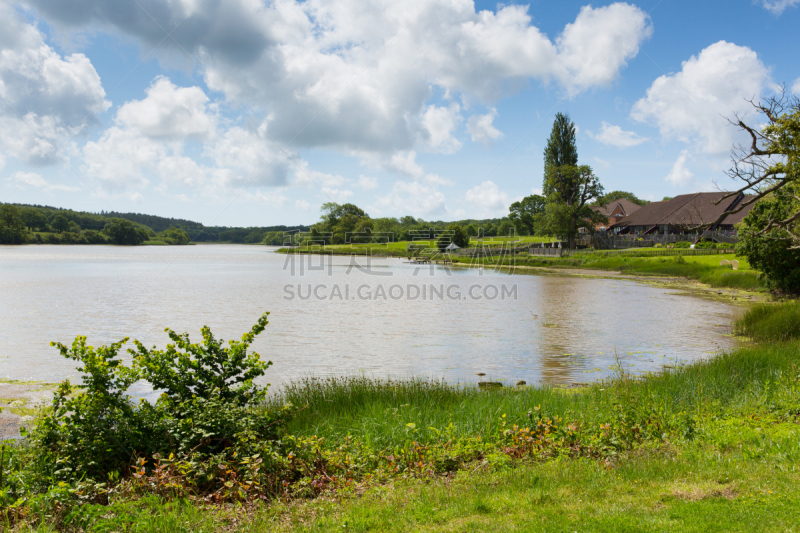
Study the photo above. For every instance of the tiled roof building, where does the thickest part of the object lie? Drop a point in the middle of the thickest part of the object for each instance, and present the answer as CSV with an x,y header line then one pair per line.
x,y
683,213
615,211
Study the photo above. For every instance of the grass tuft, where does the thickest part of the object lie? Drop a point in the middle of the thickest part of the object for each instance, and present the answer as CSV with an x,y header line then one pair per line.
x,y
771,322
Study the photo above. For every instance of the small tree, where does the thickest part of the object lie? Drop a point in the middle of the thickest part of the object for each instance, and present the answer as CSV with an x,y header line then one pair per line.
x,y
560,151
772,252
12,227
186,370
769,164
455,234
528,214
504,228
174,235
573,189
618,195
60,224
122,231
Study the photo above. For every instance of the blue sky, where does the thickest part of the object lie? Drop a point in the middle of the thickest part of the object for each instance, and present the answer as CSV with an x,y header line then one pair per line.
x,y
253,113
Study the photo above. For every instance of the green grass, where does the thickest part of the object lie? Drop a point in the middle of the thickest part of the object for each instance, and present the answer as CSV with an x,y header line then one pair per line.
x,y
705,269
400,248
378,412
771,322
738,472
722,453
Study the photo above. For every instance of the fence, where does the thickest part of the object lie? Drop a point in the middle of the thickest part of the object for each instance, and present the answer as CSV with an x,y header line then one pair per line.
x,y
610,241
653,252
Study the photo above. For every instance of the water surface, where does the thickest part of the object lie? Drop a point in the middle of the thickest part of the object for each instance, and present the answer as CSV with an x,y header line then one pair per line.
x,y
549,329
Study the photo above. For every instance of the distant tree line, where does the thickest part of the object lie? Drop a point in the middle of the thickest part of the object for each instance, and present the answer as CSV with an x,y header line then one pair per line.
x,y
38,224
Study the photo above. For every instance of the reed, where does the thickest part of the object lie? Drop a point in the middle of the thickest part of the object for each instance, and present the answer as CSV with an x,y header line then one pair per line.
x,y
771,322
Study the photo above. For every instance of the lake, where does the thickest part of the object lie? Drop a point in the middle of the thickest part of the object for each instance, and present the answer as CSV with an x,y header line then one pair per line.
x,y
331,316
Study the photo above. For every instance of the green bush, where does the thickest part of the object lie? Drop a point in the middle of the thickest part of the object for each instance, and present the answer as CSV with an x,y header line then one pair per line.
x,y
772,253
209,409
771,322
682,244
121,231
174,236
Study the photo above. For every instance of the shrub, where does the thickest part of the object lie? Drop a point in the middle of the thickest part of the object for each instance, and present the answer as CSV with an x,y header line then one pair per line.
x,y
771,322
122,231
682,244
209,406
772,253
174,235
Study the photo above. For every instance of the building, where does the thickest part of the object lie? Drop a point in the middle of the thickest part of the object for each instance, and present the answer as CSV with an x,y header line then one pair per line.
x,y
615,211
683,214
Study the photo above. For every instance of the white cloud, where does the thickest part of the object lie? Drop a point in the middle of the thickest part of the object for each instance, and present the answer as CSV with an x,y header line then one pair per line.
x,y
339,196
367,183
47,97
680,176
537,191
150,137
415,198
795,88
779,6
321,70
247,157
302,204
135,197
601,41
169,112
36,180
692,104
403,163
306,177
615,136
438,124
482,130
602,163
488,198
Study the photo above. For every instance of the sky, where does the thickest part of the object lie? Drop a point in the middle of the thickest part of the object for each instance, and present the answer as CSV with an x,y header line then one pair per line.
x,y
255,113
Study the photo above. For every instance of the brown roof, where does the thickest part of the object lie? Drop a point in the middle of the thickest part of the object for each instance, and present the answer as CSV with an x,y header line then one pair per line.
x,y
685,210
627,206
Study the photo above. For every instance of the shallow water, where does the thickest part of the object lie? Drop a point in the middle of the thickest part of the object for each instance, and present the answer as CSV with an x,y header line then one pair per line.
x,y
543,328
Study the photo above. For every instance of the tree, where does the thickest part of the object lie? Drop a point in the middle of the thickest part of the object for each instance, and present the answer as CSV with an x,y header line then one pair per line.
x,y
122,231
772,252
617,195
455,234
528,213
339,220
60,223
12,227
471,230
175,235
560,150
667,198
34,219
771,163
504,228
333,212
573,188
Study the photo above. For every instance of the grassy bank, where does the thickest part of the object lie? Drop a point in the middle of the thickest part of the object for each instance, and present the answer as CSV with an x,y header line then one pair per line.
x,y
705,269
702,268
708,446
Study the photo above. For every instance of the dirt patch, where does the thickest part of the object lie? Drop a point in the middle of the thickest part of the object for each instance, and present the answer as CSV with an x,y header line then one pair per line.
x,y
696,494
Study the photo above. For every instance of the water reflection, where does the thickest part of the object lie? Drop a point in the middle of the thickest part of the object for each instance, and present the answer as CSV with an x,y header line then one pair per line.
x,y
551,329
